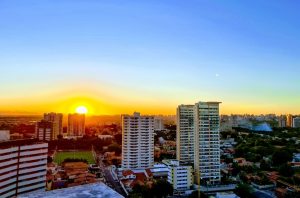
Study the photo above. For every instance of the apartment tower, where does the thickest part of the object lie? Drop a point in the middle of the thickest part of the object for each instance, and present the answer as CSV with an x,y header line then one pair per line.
x,y
57,120
76,125
23,166
137,141
198,140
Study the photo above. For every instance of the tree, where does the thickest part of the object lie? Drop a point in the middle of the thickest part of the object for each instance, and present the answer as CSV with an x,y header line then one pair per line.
x,y
281,157
118,138
286,170
244,190
265,165
162,188
139,191
115,148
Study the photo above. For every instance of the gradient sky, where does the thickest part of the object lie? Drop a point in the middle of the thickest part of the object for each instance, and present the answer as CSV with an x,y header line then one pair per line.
x,y
149,56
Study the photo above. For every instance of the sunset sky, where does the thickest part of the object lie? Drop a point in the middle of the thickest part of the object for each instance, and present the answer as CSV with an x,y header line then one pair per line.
x,y
116,56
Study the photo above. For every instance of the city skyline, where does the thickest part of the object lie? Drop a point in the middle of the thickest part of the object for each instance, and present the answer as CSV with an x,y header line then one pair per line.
x,y
116,58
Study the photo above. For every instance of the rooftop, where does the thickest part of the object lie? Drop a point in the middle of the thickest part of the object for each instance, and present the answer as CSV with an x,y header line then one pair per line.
x,y
22,142
98,190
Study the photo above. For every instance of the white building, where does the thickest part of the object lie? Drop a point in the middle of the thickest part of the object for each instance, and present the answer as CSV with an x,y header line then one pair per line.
x,y
198,139
207,143
185,133
137,141
180,176
57,120
296,122
76,125
23,166
158,124
4,135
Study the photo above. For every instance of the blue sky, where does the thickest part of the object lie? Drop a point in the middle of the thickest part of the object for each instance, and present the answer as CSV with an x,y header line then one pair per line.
x,y
149,55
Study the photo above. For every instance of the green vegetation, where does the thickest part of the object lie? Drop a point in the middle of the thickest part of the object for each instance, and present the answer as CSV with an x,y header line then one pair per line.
x,y
244,190
160,189
80,155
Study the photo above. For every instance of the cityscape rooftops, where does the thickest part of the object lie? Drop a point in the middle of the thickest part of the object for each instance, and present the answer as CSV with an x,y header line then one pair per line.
x,y
23,142
98,190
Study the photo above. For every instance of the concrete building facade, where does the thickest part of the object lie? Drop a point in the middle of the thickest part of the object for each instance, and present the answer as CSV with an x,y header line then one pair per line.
x,y
185,133
57,120
23,166
137,141
198,140
76,125
179,175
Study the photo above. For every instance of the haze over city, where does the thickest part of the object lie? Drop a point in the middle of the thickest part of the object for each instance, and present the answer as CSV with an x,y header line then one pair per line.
x,y
117,57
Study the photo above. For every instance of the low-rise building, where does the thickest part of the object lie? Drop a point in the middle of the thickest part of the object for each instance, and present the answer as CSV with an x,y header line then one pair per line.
x,y
179,175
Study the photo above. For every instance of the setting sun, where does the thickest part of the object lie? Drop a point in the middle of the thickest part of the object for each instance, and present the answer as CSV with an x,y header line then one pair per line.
x,y
81,110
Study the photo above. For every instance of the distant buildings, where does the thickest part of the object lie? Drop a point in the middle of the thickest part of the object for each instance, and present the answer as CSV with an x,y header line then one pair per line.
x,y
4,135
180,176
185,133
45,131
198,131
158,124
296,122
289,120
137,141
282,121
22,167
76,125
57,120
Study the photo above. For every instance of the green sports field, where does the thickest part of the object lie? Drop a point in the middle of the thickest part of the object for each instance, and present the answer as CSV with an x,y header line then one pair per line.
x,y
61,156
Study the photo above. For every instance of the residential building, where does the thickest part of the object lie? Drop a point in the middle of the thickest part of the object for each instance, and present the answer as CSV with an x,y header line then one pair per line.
x,y
179,175
207,143
282,121
185,133
76,125
289,120
137,141
23,166
4,135
158,124
57,120
45,131
296,122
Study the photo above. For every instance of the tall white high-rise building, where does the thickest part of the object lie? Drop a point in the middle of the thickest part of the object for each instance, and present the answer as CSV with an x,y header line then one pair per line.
x,y
56,119
76,124
185,133
207,143
137,141
199,125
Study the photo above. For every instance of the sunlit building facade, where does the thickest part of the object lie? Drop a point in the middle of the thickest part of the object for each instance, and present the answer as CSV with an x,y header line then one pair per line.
x,y
76,125
45,130
57,120
137,141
